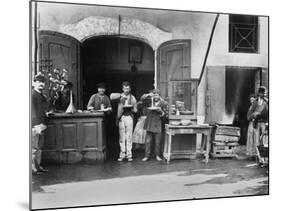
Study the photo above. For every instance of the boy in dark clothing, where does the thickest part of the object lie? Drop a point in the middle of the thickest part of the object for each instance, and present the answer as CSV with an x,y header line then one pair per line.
x,y
153,124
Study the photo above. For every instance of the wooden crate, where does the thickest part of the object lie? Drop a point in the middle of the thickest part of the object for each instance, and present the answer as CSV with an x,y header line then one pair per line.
x,y
225,140
228,131
219,151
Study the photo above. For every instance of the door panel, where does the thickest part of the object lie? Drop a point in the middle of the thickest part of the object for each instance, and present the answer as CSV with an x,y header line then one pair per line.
x,y
69,135
174,63
90,135
61,51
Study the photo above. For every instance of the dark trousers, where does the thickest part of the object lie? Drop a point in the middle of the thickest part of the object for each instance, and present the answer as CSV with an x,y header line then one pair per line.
x,y
148,141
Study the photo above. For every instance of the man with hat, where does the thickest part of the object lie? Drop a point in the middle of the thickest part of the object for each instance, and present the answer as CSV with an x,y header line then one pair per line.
x,y
153,123
100,101
259,116
39,111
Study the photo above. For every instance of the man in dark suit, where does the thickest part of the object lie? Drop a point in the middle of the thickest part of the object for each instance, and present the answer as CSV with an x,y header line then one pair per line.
x,y
39,110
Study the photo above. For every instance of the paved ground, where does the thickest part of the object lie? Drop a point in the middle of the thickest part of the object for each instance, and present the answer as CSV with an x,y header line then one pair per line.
x,y
113,182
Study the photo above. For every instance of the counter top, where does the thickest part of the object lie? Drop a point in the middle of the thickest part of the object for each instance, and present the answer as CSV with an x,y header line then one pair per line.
x,y
77,115
188,126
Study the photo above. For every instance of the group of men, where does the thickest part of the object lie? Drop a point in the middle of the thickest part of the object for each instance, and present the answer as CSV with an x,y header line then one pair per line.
x,y
127,107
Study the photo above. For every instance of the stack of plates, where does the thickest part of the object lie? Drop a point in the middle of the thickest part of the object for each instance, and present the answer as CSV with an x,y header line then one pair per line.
x,y
175,122
127,106
153,108
186,122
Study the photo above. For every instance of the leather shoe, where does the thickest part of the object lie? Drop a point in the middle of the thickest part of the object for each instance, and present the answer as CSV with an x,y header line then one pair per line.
x,y
145,159
42,169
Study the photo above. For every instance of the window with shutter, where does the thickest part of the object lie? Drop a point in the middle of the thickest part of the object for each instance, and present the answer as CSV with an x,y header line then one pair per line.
x,y
243,33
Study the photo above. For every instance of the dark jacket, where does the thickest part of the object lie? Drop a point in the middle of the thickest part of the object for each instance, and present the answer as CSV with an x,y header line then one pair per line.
x,y
153,122
39,107
258,112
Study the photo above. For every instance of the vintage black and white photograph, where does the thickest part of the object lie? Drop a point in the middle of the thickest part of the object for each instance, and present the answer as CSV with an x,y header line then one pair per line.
x,y
134,105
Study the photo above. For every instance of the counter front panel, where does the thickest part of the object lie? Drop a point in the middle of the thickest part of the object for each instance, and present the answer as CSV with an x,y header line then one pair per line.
x,y
75,138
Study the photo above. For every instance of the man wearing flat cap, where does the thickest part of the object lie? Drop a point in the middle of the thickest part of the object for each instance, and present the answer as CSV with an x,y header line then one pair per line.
x,y
153,123
100,101
39,111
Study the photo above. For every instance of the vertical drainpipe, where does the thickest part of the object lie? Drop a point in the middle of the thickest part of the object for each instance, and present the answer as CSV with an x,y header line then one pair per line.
x,y
35,40
155,68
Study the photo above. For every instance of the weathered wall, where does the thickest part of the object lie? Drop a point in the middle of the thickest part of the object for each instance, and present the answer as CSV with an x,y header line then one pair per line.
x,y
166,24
158,26
219,54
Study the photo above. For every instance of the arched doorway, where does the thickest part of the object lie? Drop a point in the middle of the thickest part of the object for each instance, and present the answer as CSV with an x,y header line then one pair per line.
x,y
112,60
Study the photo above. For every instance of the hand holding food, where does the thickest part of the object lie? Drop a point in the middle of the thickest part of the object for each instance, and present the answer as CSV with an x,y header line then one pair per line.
x,y
90,108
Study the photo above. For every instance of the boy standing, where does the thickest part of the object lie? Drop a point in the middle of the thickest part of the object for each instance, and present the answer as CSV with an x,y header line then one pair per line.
x,y
153,124
127,106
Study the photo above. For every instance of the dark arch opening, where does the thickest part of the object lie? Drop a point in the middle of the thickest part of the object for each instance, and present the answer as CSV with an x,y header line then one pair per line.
x,y
112,60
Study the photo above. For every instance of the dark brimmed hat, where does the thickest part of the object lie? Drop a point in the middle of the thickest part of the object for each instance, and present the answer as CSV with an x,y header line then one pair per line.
x,y
40,78
126,83
262,90
101,85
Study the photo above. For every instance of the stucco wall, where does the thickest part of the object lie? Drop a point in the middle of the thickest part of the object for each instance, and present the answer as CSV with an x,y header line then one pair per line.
x,y
219,54
180,25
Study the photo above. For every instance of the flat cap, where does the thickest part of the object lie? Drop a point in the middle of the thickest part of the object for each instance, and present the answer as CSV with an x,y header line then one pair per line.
x,y
40,77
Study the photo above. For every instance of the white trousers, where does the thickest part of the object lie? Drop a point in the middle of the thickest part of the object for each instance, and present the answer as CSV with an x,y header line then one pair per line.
x,y
125,136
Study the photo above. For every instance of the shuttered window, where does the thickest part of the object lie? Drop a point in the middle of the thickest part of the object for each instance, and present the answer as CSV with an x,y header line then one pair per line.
x,y
243,33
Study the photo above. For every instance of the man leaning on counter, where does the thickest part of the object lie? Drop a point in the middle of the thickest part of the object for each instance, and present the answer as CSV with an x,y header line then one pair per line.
x,y
100,101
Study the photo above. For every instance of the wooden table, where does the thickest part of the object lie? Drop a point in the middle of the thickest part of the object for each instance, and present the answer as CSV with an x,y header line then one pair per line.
x,y
172,130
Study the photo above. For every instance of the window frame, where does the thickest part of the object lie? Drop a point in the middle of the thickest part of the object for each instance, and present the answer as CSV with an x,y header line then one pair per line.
x,y
252,24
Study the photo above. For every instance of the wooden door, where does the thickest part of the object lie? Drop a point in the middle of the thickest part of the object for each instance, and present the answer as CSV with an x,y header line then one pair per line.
x,y
58,50
173,63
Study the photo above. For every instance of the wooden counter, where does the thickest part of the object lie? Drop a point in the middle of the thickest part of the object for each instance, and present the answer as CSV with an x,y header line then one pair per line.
x,y
75,138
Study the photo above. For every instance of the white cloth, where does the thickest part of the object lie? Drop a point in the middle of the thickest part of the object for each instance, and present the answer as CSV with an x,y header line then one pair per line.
x,y
139,132
125,136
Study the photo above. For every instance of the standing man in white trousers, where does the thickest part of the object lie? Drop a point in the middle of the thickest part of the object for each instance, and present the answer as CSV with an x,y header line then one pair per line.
x,y
127,106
